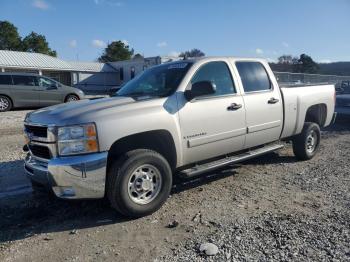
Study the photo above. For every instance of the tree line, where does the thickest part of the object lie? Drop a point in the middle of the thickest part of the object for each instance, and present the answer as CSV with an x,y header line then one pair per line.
x,y
37,43
34,42
302,64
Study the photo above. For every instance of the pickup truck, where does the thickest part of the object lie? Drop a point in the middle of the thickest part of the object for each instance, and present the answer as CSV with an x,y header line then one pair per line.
x,y
181,118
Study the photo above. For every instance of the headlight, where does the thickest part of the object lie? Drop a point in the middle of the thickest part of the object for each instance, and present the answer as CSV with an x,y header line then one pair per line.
x,y
79,139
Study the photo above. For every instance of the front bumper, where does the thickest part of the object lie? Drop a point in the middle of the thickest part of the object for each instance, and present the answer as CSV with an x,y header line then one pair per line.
x,y
73,177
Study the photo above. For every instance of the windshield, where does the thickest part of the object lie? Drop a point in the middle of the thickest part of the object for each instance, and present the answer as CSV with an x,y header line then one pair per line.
x,y
159,81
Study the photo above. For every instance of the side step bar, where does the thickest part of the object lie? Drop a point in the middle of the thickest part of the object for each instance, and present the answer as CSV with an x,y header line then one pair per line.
x,y
200,169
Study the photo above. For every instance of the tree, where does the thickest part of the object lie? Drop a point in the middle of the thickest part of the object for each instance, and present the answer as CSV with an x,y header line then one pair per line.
x,y
116,51
9,37
192,53
137,57
288,59
37,43
306,65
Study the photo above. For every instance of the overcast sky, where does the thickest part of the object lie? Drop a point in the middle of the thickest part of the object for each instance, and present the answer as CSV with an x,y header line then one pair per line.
x,y
266,28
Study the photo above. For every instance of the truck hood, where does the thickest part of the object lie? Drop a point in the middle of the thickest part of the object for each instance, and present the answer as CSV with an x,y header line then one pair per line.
x,y
75,112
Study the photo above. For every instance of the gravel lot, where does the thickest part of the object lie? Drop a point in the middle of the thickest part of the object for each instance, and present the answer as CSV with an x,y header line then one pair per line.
x,y
270,209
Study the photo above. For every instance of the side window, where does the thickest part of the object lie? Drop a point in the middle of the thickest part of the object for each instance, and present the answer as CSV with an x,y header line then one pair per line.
x,y
132,72
254,76
121,74
45,82
5,80
23,80
219,74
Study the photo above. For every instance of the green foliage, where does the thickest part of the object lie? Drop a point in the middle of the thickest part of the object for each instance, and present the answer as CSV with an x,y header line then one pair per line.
x,y
307,65
192,53
303,64
9,37
137,57
10,40
37,43
116,51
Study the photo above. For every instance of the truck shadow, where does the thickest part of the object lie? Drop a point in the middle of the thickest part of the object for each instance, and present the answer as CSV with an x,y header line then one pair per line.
x,y
25,215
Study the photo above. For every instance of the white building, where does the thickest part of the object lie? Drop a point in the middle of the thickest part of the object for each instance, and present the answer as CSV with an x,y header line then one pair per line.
x,y
89,76
128,69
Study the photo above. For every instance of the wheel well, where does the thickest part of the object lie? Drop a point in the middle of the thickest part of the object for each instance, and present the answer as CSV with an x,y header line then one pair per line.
x,y
8,98
160,141
317,114
70,94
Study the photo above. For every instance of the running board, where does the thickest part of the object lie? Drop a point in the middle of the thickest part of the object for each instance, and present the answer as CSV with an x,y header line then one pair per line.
x,y
200,169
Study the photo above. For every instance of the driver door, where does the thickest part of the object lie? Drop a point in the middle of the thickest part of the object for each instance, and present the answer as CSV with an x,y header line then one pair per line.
x,y
210,125
49,92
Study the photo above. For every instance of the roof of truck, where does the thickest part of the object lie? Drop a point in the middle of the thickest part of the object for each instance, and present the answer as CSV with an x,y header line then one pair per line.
x,y
194,59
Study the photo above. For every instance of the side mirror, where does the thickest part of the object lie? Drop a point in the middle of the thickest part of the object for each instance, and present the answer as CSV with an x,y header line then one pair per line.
x,y
202,88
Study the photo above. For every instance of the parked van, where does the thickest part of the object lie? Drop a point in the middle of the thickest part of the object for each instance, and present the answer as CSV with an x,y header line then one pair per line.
x,y
31,90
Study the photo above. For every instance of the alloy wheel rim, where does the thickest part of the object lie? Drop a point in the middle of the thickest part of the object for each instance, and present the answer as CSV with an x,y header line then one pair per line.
x,y
72,98
4,104
144,184
311,141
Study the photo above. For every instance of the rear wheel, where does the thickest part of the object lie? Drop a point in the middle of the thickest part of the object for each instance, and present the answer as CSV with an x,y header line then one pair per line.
x,y
139,183
306,144
5,103
71,98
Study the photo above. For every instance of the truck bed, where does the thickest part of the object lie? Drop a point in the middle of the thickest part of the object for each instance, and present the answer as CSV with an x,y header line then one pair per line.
x,y
298,99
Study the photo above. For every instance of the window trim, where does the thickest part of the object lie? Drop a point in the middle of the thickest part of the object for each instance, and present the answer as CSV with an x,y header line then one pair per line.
x,y
270,90
234,94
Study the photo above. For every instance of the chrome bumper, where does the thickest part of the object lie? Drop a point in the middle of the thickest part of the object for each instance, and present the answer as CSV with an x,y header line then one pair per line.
x,y
74,177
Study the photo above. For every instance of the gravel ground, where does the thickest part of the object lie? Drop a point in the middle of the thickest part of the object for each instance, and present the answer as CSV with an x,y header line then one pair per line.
x,y
273,208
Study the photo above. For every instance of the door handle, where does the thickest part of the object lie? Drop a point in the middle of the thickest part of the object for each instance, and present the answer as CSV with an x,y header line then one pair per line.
x,y
234,106
273,100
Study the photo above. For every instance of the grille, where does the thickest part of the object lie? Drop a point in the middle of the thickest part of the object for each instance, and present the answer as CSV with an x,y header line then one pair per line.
x,y
38,131
40,151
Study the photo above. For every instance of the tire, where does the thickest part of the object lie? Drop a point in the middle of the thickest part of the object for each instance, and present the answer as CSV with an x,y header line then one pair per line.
x,y
71,98
306,144
123,183
5,104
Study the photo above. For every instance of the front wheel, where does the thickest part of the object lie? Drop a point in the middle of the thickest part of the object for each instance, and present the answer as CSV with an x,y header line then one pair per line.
x,y
5,104
71,98
306,144
139,183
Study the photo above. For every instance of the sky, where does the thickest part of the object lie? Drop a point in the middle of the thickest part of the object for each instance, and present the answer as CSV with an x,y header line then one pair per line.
x,y
80,29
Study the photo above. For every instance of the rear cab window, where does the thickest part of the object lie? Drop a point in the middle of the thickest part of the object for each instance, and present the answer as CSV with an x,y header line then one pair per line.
x,y
254,76
5,80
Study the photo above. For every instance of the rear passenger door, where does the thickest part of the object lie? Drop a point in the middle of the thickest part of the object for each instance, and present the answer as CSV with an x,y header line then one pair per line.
x,y
263,104
24,90
49,92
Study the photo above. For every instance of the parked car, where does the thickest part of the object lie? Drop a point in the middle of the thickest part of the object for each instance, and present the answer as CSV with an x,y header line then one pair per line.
x,y
31,90
343,87
342,105
182,118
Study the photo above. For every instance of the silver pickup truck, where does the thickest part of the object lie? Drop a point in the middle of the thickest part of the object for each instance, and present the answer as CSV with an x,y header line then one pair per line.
x,y
182,118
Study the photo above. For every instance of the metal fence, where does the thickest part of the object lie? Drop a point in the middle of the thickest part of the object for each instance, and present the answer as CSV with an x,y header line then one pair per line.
x,y
299,78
